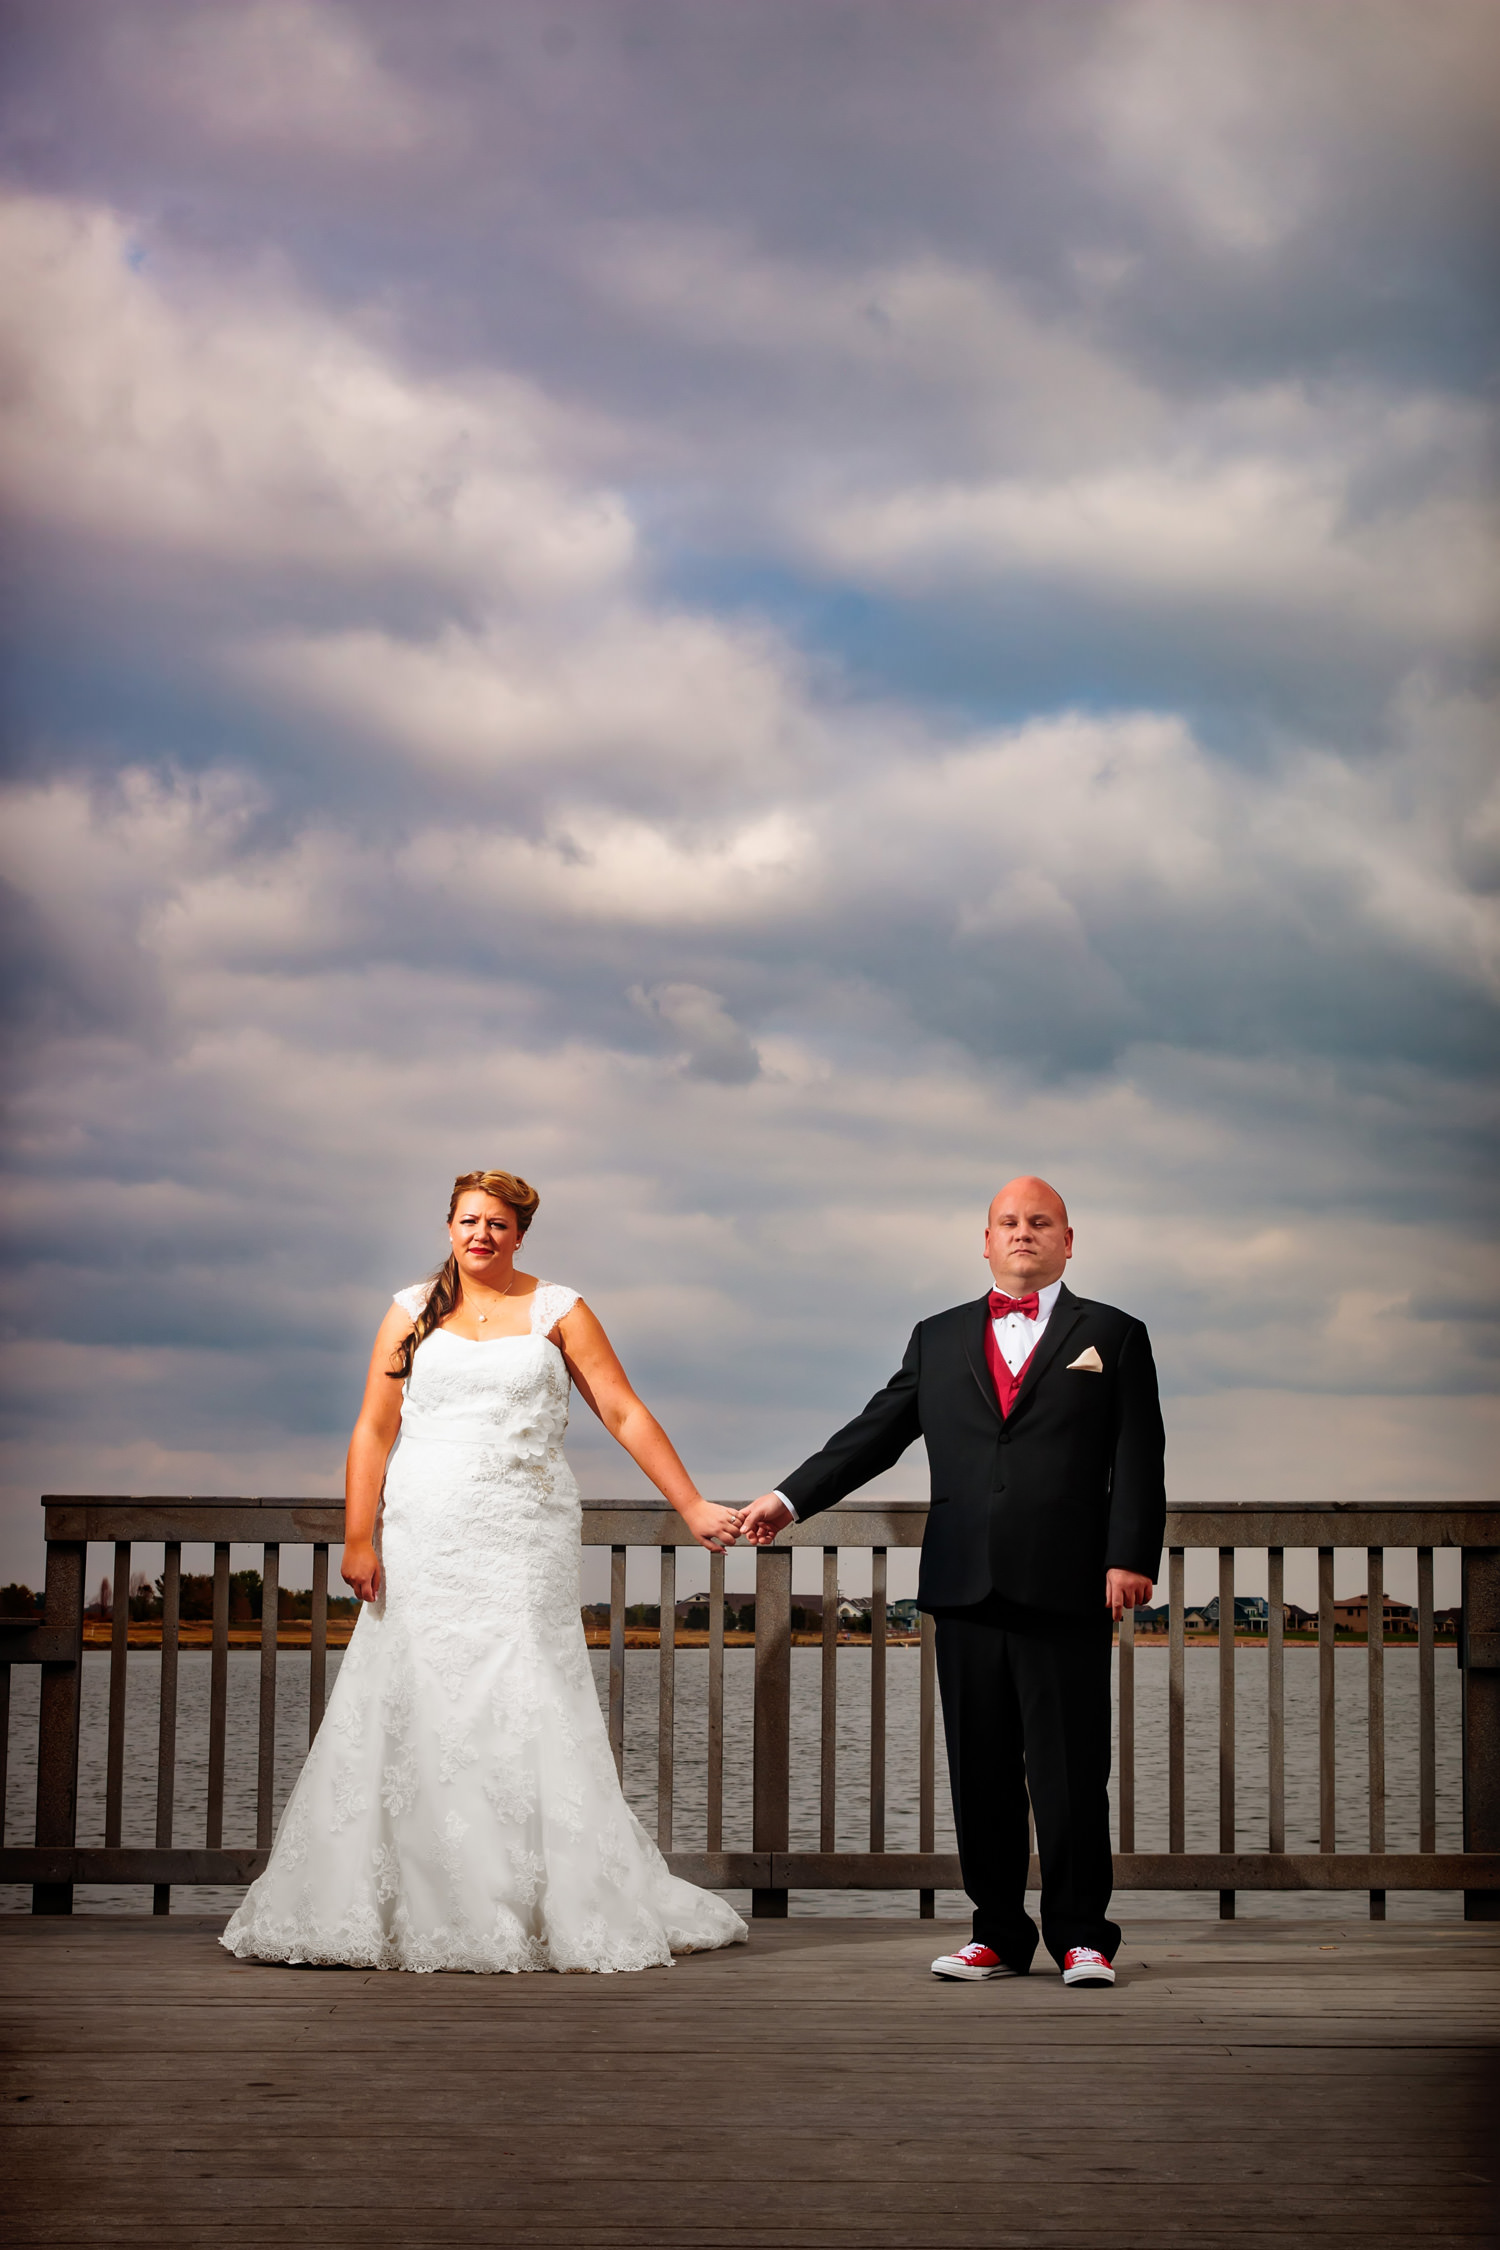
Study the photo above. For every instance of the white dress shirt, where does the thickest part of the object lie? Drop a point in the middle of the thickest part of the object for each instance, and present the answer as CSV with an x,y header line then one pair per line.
x,y
1016,1336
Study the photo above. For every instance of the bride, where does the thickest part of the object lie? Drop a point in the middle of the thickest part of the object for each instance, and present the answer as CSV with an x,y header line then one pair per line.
x,y
459,1808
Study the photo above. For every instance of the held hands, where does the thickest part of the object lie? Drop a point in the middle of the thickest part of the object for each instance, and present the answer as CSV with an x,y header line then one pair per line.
x,y
360,1569
718,1528
760,1522
1125,1589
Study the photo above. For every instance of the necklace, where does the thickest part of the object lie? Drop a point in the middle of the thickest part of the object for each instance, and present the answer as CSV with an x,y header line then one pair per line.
x,y
482,1317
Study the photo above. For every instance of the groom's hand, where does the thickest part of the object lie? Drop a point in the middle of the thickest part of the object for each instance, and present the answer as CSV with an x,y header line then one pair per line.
x,y
1125,1589
763,1519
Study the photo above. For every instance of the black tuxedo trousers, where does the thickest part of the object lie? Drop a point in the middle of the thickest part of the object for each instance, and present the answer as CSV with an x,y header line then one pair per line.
x,y
1029,1510
1026,1713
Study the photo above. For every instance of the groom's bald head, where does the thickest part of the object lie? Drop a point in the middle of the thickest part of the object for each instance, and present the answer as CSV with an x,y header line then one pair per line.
x,y
1028,1240
1026,1194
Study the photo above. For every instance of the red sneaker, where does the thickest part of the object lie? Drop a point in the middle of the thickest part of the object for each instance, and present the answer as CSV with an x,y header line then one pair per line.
x,y
1082,1965
974,1961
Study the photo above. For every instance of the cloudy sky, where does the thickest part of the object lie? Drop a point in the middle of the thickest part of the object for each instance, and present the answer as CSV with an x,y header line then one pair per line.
x,y
766,614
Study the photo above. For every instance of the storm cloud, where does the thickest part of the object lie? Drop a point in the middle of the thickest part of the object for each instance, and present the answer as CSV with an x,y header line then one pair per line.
x,y
768,616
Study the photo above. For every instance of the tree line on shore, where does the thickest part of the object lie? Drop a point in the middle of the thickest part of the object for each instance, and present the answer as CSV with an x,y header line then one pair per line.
x,y
195,1600
246,1593
739,1617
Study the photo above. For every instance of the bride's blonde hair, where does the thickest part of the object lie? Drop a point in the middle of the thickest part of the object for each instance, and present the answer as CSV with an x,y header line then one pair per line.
x,y
505,1187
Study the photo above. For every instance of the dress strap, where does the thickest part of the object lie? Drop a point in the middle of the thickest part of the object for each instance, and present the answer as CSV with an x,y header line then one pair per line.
x,y
551,1303
413,1300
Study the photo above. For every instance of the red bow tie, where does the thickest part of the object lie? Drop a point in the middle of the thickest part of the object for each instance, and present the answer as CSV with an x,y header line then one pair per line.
x,y
1027,1306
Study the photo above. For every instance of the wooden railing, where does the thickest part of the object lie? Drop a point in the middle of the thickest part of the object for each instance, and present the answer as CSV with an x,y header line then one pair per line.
x,y
772,1868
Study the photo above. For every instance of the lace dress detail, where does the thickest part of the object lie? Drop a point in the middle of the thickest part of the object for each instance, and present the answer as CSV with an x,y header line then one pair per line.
x,y
460,1808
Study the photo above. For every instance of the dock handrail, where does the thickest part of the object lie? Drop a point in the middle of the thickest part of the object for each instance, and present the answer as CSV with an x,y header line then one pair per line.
x,y
771,1868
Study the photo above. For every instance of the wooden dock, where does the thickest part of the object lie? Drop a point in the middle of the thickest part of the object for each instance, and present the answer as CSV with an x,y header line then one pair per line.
x,y
1251,2082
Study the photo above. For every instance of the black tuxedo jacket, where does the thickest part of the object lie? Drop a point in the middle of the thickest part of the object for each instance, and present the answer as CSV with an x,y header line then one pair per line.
x,y
1036,1506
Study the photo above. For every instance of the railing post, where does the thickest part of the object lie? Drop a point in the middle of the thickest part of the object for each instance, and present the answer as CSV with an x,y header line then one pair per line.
x,y
618,1558
1227,1822
927,1759
218,1699
166,1722
4,1743
1375,1707
317,1644
119,1651
877,1698
714,1806
1276,1699
265,1760
1480,1656
1328,1807
771,1827
1426,1707
1126,1760
666,1696
828,1737
61,1705
1176,1703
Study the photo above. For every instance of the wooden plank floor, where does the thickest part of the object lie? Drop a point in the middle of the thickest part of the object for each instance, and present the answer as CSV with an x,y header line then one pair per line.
x,y
1244,2083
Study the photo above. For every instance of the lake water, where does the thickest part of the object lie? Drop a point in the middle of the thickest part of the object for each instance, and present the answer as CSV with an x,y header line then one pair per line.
x,y
853,1806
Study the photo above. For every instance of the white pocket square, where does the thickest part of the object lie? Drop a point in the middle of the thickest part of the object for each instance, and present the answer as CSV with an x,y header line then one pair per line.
x,y
1087,1363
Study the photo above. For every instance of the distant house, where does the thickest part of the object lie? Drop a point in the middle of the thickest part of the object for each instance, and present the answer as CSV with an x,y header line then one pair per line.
x,y
1354,1615
1251,1613
1351,1616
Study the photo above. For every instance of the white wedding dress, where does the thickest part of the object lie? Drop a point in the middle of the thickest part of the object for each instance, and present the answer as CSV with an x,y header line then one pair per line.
x,y
460,1808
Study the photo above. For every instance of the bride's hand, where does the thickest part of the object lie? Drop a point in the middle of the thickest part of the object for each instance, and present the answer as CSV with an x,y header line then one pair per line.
x,y
712,1526
360,1569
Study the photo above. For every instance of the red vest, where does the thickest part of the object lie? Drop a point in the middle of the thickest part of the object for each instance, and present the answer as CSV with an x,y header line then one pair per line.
x,y
1006,1384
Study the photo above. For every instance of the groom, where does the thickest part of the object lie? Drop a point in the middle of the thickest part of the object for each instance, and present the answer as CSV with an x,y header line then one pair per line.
x,y
1045,1443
